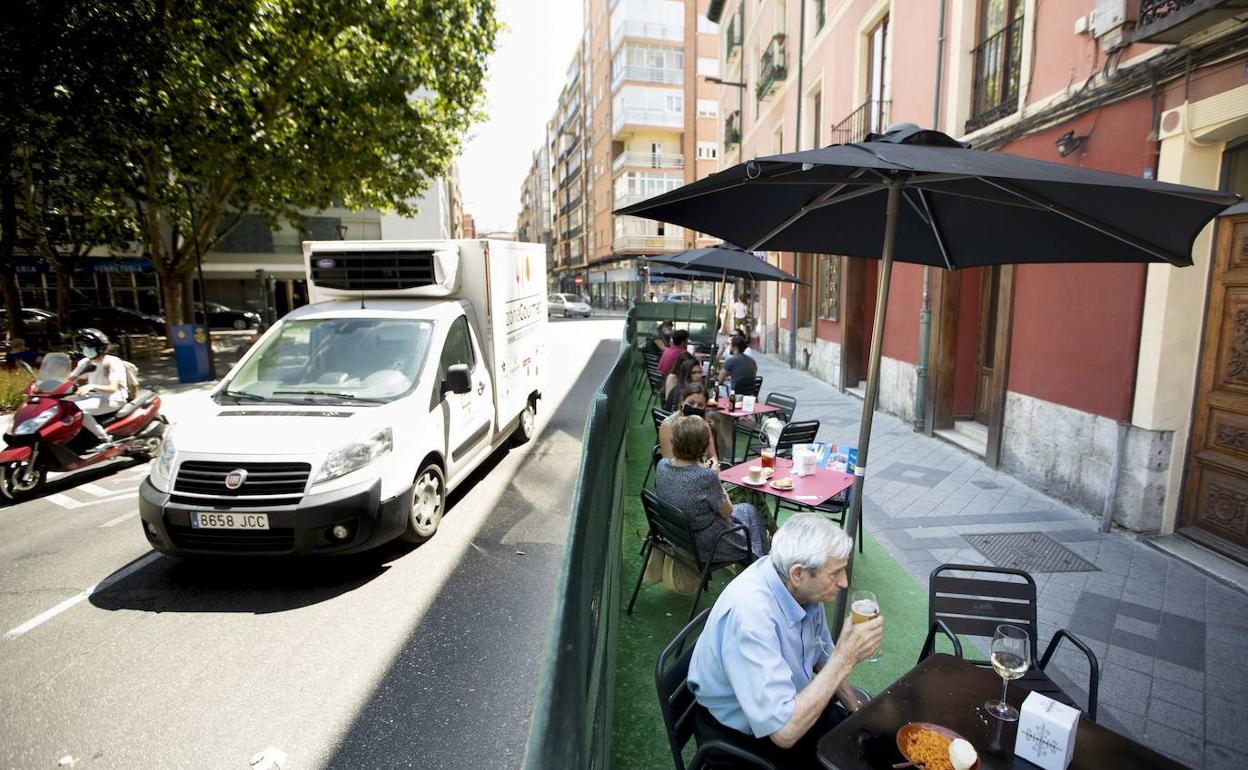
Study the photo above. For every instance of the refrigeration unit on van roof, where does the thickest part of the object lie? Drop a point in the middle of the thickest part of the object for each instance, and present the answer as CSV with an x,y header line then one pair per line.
x,y
382,268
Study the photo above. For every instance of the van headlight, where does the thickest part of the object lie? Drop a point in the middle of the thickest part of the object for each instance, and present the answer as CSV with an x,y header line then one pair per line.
x,y
354,456
162,469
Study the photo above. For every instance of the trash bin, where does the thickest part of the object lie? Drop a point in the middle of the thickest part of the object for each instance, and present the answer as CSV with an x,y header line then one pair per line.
x,y
191,354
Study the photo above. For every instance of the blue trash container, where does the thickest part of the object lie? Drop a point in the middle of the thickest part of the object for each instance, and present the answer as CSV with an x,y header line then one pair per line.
x,y
190,352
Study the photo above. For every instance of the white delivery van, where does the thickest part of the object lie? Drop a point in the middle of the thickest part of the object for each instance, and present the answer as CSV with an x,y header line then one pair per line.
x,y
349,422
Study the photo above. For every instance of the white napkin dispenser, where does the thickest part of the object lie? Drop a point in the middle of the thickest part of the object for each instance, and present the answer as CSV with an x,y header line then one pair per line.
x,y
804,460
1046,732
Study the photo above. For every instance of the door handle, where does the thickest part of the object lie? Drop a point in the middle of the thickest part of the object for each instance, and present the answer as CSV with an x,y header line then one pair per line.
x,y
480,388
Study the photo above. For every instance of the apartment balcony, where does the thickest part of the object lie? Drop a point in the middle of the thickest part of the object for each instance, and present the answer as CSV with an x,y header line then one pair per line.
x,y
572,232
620,201
1173,21
565,208
871,117
732,129
648,243
647,30
667,76
662,160
631,118
995,91
772,69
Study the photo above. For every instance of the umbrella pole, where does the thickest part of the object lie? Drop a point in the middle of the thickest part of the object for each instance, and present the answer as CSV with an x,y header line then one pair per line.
x,y
719,309
854,517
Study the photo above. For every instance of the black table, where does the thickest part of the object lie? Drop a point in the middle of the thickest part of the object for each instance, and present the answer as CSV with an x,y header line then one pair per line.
x,y
951,692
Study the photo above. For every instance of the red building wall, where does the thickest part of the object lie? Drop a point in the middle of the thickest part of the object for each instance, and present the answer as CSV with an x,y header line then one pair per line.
x,y
1076,327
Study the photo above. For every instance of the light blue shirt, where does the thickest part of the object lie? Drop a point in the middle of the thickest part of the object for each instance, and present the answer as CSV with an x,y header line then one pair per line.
x,y
758,650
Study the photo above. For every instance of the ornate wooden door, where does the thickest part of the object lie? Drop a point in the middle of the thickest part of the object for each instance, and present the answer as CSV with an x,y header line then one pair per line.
x,y
1215,493
986,352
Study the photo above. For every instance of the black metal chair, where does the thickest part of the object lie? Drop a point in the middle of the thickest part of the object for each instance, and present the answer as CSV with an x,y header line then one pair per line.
x,y
659,415
796,432
749,387
670,531
787,406
656,381
656,454
677,703
976,606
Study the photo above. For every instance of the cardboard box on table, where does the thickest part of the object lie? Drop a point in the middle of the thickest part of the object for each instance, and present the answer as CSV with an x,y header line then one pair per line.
x,y
1046,732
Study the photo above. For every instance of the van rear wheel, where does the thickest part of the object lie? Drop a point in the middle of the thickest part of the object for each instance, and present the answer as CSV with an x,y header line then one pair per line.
x,y
428,504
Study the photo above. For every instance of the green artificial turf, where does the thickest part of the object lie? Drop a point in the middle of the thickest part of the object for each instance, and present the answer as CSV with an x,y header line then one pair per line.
x,y
638,739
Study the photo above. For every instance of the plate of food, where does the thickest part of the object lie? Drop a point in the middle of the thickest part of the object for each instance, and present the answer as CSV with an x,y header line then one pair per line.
x,y
933,747
784,484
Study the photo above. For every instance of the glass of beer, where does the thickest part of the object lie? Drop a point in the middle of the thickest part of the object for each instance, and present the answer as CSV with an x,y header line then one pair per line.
x,y
1009,654
863,606
767,457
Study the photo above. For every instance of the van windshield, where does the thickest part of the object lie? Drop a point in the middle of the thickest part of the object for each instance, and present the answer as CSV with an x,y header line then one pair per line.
x,y
370,360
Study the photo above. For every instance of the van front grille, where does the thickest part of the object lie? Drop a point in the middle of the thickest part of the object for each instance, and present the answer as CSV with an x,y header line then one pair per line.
x,y
231,540
208,478
372,270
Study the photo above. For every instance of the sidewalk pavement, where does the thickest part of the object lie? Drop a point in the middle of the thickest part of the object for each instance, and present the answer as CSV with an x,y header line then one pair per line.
x,y
1169,639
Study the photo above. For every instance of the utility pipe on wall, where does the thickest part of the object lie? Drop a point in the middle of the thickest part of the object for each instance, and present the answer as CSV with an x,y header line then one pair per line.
x,y
925,310
797,145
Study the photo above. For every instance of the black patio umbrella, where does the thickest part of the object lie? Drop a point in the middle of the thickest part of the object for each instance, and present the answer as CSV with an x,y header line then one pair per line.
x,y
920,196
724,260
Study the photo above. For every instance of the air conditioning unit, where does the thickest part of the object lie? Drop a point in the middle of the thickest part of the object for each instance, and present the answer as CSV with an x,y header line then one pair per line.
x,y
1111,21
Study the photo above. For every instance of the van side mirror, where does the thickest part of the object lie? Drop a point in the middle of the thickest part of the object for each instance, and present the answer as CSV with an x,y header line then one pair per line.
x,y
457,379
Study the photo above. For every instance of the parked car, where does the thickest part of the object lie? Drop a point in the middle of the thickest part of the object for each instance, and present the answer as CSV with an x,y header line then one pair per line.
x,y
682,296
222,317
117,320
566,305
41,325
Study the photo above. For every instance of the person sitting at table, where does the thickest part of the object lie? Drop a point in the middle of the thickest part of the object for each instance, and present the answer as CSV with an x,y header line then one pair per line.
x,y
738,365
693,396
687,372
667,361
686,483
764,671
660,341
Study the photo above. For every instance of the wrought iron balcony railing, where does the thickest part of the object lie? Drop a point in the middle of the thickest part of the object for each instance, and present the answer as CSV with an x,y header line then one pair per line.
x,y
1173,21
772,67
997,61
664,160
871,117
732,129
733,38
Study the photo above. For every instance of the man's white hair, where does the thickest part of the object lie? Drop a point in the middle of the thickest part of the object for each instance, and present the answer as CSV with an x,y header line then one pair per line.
x,y
808,540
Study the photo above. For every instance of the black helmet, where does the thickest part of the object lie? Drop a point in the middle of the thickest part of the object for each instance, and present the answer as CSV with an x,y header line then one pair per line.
x,y
91,338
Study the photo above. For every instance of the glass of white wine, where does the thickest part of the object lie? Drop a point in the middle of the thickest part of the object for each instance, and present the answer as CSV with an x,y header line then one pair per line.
x,y
1010,655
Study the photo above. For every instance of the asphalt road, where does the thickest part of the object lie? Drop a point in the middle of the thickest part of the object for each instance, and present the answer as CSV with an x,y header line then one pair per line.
x,y
112,656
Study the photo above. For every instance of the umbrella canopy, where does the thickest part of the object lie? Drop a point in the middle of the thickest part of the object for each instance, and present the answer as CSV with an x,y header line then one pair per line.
x,y
959,207
923,197
727,261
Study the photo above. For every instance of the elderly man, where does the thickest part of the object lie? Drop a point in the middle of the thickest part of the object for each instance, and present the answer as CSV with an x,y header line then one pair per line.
x,y
764,671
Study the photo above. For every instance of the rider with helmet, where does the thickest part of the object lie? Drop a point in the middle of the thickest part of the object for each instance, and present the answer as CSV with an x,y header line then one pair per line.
x,y
104,388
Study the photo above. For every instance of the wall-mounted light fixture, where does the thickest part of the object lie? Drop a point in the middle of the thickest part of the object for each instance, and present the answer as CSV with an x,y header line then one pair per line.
x,y
1068,143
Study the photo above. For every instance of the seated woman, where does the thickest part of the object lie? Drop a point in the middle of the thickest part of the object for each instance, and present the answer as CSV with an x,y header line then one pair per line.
x,y
685,483
670,383
688,373
693,396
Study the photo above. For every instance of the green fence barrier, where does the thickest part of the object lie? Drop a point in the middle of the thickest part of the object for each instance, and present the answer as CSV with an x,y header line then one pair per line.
x,y
572,715
699,319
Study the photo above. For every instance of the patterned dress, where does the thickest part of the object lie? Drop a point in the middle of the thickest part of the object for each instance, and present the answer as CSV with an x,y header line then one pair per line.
x,y
697,492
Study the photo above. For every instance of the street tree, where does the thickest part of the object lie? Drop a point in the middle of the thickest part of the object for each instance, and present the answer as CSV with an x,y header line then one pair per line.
x,y
268,107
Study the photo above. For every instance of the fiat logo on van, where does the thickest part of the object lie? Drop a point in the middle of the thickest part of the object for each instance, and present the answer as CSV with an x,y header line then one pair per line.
x,y
325,264
235,478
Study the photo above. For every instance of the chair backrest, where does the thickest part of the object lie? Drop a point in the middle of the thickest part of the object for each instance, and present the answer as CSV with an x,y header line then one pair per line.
x,y
787,404
668,524
659,415
749,387
656,380
676,702
796,432
975,606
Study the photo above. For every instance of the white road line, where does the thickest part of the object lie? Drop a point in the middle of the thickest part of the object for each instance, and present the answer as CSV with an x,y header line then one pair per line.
x,y
65,501
92,489
75,600
119,519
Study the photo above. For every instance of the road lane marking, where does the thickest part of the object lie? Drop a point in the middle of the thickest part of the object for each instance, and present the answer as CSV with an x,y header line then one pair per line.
x,y
119,519
65,501
75,600
92,489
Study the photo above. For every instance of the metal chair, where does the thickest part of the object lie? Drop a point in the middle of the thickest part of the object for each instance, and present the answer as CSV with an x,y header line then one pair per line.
x,y
670,531
976,606
676,704
656,390
787,406
656,454
750,387
796,432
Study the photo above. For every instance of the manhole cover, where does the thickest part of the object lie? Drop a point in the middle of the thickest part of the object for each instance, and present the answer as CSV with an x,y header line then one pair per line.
x,y
986,484
1028,551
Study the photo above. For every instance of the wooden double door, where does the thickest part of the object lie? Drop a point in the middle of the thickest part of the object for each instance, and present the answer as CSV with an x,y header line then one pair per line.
x,y
1214,510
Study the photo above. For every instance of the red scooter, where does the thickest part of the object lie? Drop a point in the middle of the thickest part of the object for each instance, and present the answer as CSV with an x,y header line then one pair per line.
x,y
47,432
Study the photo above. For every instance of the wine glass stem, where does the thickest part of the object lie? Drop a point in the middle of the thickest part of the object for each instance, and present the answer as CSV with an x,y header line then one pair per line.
x,y
1005,684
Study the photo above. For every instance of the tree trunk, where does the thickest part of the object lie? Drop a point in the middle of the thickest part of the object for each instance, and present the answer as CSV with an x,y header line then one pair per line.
x,y
64,288
173,291
8,243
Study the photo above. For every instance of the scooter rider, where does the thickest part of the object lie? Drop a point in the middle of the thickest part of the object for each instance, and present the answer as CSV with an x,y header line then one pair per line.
x,y
104,391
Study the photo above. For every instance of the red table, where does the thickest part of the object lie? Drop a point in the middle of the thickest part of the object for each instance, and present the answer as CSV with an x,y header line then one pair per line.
x,y
819,487
738,414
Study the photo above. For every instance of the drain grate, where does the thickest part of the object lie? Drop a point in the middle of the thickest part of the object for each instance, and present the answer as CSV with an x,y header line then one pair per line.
x,y
1028,551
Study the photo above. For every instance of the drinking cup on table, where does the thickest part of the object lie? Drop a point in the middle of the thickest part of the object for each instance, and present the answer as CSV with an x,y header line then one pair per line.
x,y
864,607
768,457
755,474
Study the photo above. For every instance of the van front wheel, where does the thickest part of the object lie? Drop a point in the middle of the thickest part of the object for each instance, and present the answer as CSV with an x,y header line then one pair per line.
x,y
428,504
527,425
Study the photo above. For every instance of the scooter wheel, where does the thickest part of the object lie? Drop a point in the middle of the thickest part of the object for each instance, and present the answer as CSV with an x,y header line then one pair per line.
x,y
19,481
